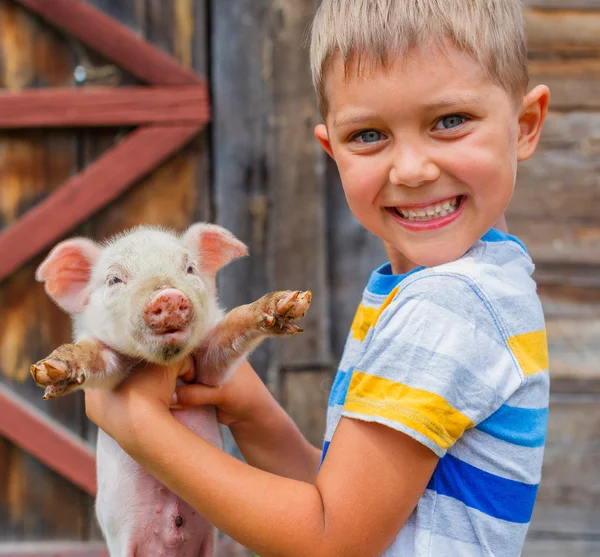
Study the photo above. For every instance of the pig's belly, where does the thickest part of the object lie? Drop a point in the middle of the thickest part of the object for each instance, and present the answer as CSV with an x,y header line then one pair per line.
x,y
138,515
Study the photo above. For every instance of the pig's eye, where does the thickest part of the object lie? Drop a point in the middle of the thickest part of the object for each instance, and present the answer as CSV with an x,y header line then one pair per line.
x,y
114,280
191,270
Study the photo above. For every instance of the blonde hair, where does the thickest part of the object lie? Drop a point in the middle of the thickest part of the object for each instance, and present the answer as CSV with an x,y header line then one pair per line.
x,y
492,31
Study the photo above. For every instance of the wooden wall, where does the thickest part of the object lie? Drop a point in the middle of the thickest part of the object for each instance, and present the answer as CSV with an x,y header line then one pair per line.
x,y
258,171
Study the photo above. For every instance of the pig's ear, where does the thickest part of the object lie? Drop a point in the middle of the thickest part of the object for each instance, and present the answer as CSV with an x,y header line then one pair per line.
x,y
66,273
214,246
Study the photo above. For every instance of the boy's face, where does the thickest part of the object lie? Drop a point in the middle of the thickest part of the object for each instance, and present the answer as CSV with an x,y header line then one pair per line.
x,y
427,150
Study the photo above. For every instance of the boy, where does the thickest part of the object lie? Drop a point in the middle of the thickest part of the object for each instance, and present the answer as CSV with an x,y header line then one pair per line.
x,y
437,417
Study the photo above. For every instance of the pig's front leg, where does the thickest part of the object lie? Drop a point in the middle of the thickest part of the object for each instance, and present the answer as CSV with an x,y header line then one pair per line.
x,y
85,364
244,328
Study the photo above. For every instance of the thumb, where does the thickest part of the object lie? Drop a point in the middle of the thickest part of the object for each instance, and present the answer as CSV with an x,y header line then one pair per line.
x,y
196,395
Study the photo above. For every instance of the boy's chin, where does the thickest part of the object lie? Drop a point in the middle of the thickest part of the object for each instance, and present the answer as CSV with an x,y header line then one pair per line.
x,y
435,253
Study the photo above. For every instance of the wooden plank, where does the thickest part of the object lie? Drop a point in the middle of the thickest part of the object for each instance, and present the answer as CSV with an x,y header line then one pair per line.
x,y
563,4
573,325
570,242
298,222
53,549
103,106
561,181
47,440
241,142
570,470
567,32
35,502
555,206
304,395
566,520
574,83
114,41
85,193
561,548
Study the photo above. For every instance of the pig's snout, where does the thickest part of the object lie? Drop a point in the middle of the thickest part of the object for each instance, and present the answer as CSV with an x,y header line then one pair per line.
x,y
168,310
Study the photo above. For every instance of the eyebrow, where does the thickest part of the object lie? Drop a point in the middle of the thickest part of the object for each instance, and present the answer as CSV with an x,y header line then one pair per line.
x,y
431,107
456,101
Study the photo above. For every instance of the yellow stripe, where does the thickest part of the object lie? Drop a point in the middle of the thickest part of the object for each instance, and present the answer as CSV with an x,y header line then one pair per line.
x,y
366,317
422,411
531,351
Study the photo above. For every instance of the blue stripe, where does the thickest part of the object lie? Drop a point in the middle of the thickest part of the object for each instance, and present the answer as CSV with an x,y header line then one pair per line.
x,y
525,427
382,281
325,449
341,383
495,496
495,235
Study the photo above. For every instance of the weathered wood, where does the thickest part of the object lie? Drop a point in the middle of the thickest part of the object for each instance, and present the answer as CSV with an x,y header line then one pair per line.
x,y
53,550
562,32
36,502
297,220
563,4
84,194
270,188
566,520
574,84
570,472
573,324
304,395
114,41
241,176
47,440
105,107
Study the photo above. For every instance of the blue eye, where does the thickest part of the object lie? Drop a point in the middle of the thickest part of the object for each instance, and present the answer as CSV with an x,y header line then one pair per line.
x,y
450,122
369,136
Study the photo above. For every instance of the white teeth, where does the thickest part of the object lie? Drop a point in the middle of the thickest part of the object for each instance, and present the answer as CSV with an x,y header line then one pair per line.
x,y
430,213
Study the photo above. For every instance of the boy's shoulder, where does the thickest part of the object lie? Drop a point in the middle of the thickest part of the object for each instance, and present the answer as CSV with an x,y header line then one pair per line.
x,y
498,264
497,269
490,288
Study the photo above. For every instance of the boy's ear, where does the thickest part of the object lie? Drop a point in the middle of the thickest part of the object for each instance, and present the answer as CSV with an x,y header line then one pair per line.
x,y
322,136
531,120
213,245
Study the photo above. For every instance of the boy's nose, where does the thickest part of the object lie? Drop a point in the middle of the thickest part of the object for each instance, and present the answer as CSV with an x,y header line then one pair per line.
x,y
413,169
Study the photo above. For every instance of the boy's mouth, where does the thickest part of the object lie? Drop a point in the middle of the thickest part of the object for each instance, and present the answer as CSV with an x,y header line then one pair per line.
x,y
431,212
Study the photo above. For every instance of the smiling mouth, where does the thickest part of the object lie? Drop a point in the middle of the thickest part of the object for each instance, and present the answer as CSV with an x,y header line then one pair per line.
x,y
431,212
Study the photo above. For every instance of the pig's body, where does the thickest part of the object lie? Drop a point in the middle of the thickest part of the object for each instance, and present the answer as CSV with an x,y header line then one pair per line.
x,y
138,515
150,295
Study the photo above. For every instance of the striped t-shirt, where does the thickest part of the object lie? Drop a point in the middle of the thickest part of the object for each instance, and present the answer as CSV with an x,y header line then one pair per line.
x,y
456,357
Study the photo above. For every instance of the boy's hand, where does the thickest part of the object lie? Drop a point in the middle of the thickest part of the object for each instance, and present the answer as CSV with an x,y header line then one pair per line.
x,y
149,388
240,399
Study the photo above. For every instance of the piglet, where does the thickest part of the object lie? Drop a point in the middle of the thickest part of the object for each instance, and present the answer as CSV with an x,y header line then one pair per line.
x,y
149,295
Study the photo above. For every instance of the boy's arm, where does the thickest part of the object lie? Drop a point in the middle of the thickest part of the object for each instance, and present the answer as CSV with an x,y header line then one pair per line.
x,y
368,485
266,436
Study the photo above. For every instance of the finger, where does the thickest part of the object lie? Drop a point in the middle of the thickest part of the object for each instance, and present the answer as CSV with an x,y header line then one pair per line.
x,y
197,395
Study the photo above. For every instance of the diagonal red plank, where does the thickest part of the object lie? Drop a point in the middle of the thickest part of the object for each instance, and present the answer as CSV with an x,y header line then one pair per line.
x,y
114,41
104,106
101,182
47,440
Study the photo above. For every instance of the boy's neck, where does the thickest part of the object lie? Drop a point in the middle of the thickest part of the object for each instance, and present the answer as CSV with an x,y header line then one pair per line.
x,y
399,262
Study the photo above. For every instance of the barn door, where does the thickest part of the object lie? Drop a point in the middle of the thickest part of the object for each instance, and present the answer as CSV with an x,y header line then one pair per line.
x,y
62,61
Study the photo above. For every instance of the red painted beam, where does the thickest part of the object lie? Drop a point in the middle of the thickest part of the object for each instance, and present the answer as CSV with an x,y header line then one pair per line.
x,y
100,183
108,37
104,106
47,440
52,549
